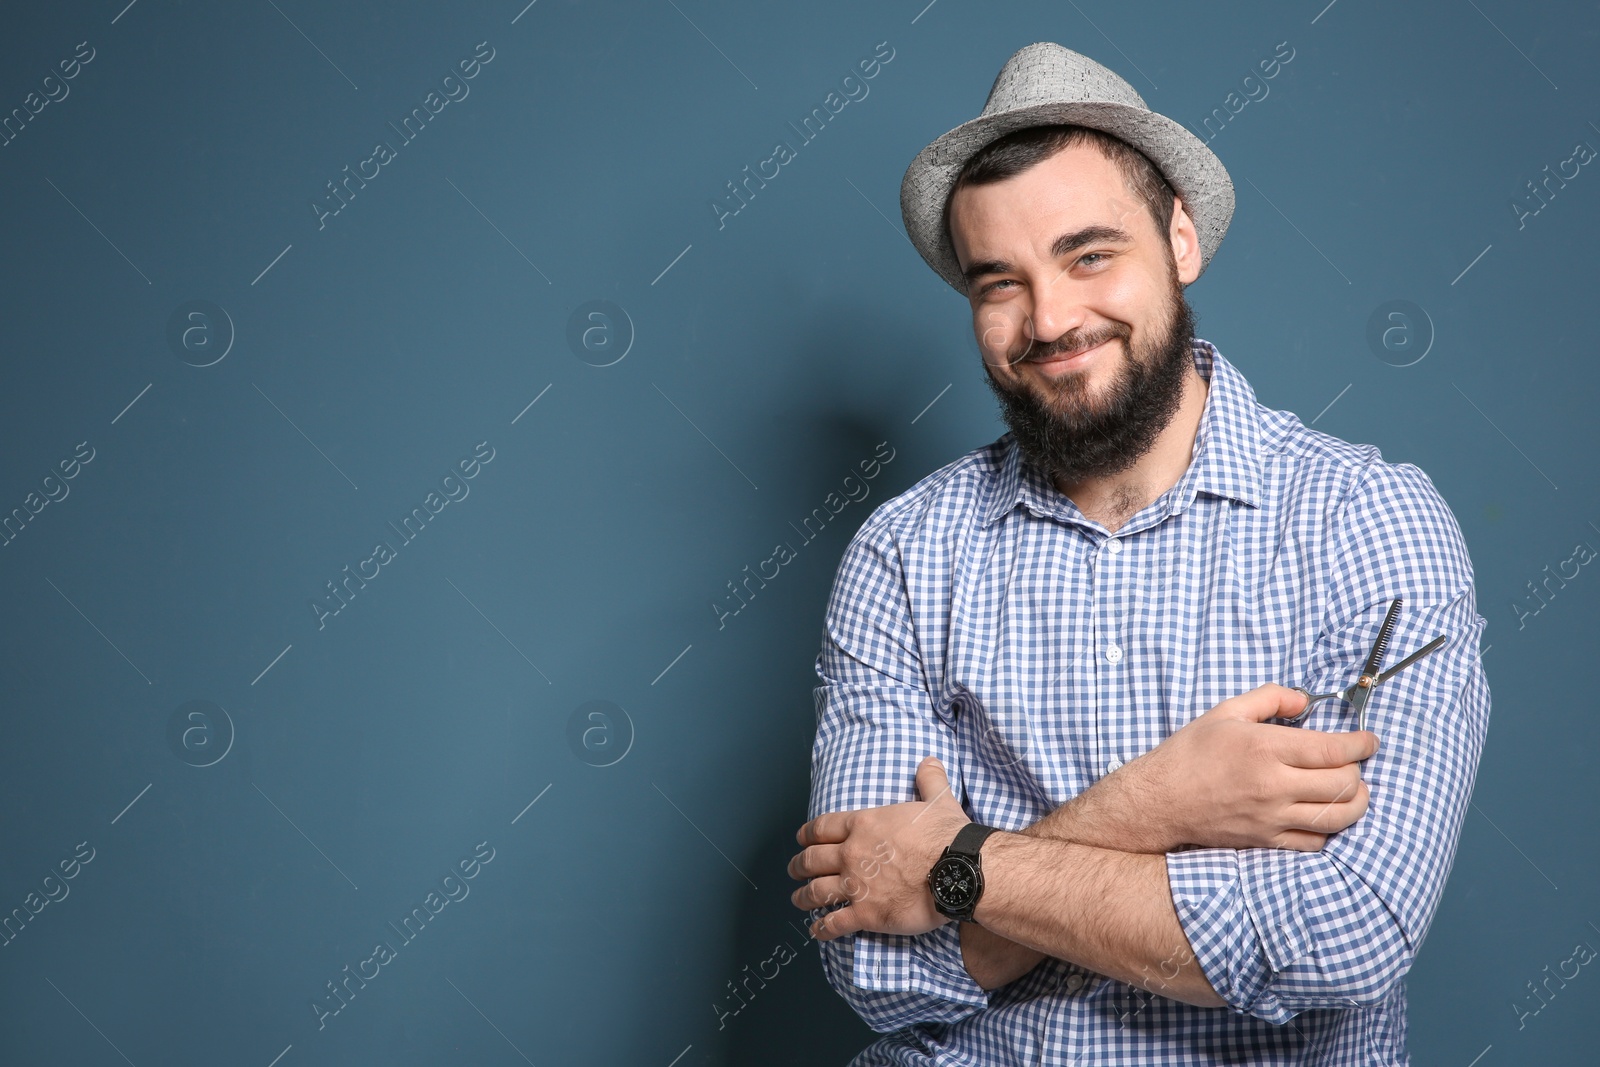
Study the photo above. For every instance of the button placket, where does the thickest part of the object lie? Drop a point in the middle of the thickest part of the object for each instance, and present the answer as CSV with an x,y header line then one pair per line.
x,y
1112,546
1112,684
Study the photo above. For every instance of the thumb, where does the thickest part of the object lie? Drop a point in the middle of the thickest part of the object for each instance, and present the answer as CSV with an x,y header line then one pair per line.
x,y
1268,701
932,781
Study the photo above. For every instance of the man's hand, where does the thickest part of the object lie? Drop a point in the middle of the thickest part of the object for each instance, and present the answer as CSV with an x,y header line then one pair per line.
x,y
878,859
1227,779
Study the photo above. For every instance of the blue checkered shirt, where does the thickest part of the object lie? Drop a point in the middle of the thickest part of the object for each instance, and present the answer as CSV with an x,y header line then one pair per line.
x,y
979,617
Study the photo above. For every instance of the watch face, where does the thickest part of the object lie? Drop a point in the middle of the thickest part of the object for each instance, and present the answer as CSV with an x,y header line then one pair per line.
x,y
955,882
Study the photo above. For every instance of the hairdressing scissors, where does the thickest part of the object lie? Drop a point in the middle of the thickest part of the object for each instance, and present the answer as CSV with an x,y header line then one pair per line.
x,y
1359,693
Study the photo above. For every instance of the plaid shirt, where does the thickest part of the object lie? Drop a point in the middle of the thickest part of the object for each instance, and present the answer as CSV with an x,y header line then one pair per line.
x,y
979,617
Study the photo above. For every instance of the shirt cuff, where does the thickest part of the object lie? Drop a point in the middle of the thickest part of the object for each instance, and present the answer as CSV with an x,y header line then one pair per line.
x,y
1243,913
928,963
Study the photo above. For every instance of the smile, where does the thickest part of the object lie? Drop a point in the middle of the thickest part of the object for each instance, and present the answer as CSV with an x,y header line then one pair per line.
x,y
1064,362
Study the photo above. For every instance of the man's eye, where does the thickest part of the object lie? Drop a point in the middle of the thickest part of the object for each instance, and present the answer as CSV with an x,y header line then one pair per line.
x,y
992,286
1091,255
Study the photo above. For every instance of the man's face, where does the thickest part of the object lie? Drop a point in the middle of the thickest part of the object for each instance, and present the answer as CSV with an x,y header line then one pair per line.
x,y
1078,309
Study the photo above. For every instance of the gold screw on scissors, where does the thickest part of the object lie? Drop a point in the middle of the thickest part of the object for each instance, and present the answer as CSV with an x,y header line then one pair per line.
x,y
1361,692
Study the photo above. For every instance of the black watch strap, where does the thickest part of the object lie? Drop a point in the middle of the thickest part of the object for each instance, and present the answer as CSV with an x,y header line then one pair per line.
x,y
960,860
969,839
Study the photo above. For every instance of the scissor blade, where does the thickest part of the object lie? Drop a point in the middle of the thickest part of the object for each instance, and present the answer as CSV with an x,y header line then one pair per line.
x,y
1431,646
1381,645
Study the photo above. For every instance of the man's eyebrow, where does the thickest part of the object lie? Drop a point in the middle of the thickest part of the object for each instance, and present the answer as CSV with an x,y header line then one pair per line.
x,y
1067,242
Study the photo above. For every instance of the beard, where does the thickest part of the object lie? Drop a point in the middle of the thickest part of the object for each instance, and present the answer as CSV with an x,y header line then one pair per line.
x,y
1071,436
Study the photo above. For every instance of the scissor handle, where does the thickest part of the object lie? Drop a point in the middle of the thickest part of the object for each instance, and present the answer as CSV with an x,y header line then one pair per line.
x,y
1311,699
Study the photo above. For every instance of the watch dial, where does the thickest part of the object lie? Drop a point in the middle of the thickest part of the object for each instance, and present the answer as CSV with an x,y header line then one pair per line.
x,y
954,882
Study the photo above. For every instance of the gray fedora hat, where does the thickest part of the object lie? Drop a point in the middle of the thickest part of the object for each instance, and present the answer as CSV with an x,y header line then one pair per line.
x,y
1041,85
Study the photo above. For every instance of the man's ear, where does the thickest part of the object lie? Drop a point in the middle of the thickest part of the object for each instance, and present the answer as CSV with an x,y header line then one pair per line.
x,y
1184,242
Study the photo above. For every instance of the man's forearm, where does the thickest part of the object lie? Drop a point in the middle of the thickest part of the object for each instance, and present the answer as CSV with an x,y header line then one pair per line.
x,y
992,960
1093,817
1108,911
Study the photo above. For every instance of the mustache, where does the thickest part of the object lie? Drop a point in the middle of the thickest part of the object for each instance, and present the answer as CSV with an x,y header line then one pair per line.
x,y
1078,343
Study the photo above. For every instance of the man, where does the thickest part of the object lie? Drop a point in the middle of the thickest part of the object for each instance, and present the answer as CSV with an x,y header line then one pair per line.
x,y
1055,660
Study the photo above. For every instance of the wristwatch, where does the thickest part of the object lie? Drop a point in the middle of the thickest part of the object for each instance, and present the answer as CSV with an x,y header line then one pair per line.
x,y
956,879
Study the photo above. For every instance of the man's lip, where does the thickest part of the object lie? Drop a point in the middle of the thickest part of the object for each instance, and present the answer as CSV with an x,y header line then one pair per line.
x,y
1064,356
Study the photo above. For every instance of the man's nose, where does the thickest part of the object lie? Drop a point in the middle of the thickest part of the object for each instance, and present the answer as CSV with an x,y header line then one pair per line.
x,y
1055,312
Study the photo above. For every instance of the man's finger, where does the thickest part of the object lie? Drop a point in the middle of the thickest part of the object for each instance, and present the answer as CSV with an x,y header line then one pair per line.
x,y
1301,841
816,861
819,893
932,782
1320,785
1268,701
1320,748
1305,706
836,924
827,829
1331,817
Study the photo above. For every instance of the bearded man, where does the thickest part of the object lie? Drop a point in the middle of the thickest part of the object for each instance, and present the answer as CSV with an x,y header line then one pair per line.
x,y
1069,803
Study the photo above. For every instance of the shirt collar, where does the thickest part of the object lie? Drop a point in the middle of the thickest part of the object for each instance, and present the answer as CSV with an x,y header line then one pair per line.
x,y
1226,461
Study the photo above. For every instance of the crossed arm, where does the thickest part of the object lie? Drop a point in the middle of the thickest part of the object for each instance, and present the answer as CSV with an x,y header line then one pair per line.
x,y
1088,883
1264,904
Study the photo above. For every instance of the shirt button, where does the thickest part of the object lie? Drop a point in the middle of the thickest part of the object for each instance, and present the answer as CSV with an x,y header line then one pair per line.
x,y
1113,654
1074,983
1113,765
1113,546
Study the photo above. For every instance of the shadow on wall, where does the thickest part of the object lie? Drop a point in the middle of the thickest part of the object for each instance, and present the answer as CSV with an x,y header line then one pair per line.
x,y
774,1006
848,397
790,1015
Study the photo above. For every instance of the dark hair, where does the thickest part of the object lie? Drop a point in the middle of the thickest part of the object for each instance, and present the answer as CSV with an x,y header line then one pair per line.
x,y
1016,152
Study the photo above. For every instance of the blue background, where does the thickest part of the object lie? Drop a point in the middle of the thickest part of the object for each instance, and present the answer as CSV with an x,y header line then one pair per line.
x,y
361,760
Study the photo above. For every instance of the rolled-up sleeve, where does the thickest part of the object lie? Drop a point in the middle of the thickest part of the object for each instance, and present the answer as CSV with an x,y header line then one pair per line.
x,y
875,724
1278,932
